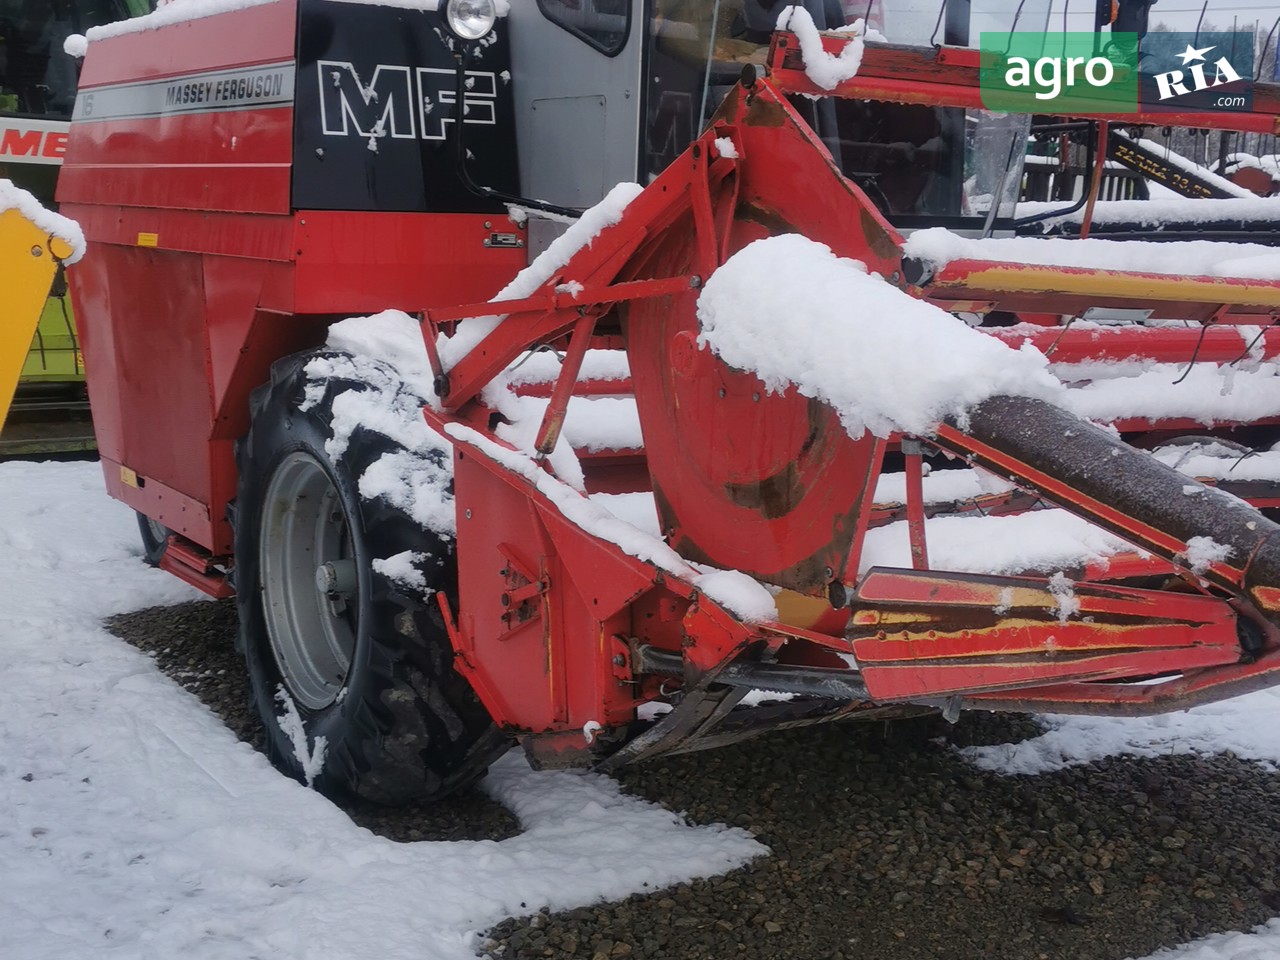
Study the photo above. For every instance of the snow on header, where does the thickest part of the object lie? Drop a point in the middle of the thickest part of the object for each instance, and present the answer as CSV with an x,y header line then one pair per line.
x,y
54,224
793,312
526,283
176,11
1209,258
733,590
1229,187
824,69
1160,211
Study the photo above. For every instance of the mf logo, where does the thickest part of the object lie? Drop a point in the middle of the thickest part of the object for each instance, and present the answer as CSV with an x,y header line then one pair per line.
x,y
1194,75
400,102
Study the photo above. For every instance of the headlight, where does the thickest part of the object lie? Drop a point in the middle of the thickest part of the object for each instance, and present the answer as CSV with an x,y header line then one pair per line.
x,y
471,19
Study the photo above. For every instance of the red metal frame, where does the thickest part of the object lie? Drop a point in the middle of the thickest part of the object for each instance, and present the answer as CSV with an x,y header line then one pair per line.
x,y
949,636
557,628
203,201
949,77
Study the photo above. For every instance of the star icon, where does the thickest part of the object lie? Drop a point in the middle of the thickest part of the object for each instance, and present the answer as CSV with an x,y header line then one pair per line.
x,y
1191,53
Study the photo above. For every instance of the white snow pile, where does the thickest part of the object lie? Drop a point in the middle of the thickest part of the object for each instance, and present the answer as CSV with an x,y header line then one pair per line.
x,y
403,568
826,70
1159,211
1043,541
939,246
594,424
1268,163
738,593
1203,552
795,314
544,367
1215,461
735,591
1186,165
725,148
1207,393
53,224
309,756
175,11
76,46
526,283
180,11
941,486
1243,725
386,353
136,824
1263,943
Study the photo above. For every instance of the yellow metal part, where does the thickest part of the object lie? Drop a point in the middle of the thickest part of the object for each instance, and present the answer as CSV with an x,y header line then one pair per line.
x,y
1012,278
28,260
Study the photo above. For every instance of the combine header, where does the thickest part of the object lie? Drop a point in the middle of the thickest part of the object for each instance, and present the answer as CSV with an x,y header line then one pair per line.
x,y
760,444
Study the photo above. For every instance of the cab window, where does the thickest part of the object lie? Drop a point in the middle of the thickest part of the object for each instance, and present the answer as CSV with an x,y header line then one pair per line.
x,y
604,24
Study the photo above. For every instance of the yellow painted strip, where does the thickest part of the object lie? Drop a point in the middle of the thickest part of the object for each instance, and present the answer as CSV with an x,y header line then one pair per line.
x,y
1139,287
148,239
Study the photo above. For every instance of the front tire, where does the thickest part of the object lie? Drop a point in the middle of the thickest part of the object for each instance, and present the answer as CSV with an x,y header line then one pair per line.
x,y
155,539
350,668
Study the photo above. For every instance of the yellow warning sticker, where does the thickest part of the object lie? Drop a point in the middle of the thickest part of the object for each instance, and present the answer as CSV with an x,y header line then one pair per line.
x,y
129,477
148,239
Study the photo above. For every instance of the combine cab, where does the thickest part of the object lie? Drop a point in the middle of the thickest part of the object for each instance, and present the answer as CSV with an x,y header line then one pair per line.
x,y
619,471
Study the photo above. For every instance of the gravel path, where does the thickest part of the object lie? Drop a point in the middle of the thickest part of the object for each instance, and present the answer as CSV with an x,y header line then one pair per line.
x,y
885,843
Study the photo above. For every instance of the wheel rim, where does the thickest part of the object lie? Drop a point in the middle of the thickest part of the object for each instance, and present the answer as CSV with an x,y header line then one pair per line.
x,y
310,589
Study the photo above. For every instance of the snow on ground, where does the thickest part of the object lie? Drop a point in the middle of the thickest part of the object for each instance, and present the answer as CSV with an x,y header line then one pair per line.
x,y
1262,944
1244,725
137,826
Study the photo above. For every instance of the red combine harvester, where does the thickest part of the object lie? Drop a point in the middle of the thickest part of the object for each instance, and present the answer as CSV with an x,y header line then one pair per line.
x,y
430,547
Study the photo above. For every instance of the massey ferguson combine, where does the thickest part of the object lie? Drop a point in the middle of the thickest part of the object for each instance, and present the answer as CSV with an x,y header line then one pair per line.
x,y
799,431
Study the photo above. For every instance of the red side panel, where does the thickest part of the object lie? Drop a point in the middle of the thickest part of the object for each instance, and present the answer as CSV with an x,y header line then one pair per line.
x,y
178,169
200,273
150,131
151,411
256,34
352,262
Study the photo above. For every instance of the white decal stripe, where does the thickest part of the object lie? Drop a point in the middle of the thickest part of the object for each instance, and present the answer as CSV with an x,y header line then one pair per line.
x,y
214,91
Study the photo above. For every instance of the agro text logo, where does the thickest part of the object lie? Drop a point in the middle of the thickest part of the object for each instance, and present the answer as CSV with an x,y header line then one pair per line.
x,y
1078,73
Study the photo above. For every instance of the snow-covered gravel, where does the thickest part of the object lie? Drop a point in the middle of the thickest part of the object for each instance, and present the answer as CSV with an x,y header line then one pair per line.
x,y
137,825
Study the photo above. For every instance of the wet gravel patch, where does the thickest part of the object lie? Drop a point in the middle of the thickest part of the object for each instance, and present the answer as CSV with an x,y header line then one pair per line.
x,y
194,644
891,848
885,842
